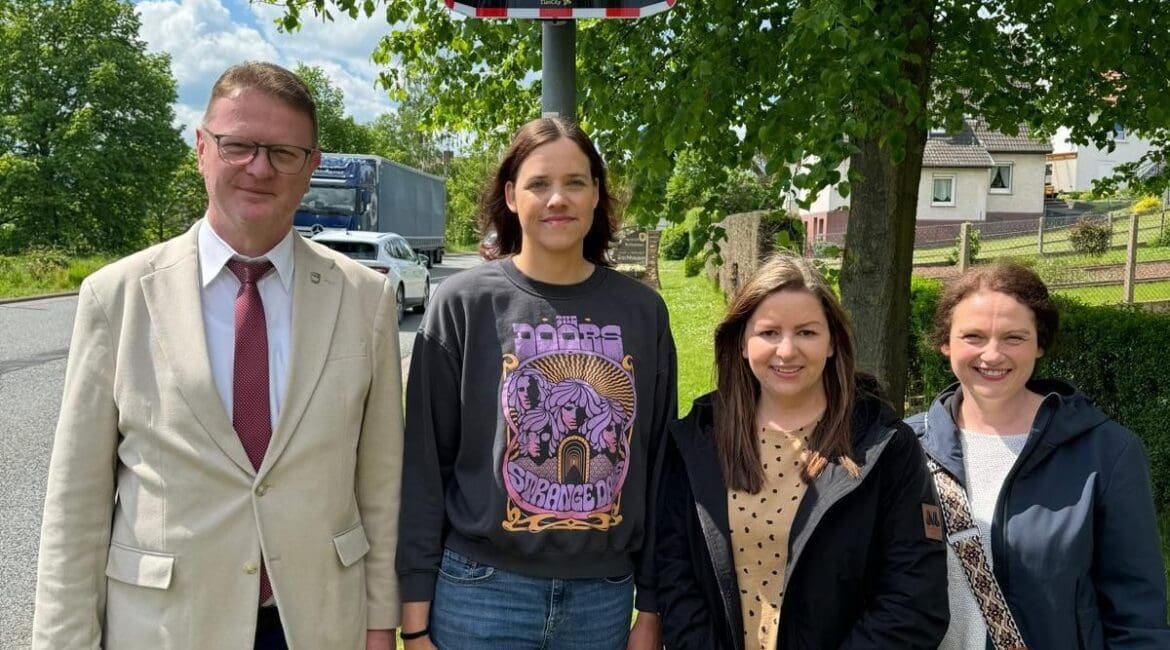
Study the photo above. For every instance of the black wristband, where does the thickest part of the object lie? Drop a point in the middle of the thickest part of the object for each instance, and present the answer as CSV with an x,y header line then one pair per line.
x,y
411,636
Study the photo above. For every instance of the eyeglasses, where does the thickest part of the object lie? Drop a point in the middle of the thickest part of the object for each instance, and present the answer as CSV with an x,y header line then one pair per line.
x,y
284,158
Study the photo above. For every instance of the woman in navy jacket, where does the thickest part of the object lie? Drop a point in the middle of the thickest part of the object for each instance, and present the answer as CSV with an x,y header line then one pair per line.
x,y
795,509
1060,493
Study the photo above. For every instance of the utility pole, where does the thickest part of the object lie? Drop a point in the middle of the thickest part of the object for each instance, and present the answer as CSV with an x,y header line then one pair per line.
x,y
558,88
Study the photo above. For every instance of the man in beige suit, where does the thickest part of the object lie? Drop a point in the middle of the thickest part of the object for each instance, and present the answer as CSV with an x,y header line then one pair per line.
x,y
226,467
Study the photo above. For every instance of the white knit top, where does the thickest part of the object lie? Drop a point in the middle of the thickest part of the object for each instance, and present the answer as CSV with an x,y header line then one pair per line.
x,y
987,458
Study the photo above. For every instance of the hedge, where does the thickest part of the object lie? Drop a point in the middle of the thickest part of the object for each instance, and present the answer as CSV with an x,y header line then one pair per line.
x,y
1116,355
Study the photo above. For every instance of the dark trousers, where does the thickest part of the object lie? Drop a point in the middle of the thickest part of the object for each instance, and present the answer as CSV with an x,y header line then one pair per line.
x,y
269,633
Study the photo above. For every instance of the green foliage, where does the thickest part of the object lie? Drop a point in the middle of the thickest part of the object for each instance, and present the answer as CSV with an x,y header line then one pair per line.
x,y
693,265
1091,236
1147,204
1113,354
183,202
336,131
86,134
45,270
466,179
783,231
973,246
674,243
1163,239
794,90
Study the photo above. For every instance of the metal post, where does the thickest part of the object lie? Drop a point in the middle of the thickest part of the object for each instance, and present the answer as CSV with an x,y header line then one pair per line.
x,y
1131,259
1040,238
964,246
559,68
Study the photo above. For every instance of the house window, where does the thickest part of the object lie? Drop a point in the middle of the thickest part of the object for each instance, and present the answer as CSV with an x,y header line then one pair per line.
x,y
1119,133
943,191
1001,179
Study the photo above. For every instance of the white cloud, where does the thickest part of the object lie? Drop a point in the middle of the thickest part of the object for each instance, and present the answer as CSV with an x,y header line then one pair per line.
x,y
204,37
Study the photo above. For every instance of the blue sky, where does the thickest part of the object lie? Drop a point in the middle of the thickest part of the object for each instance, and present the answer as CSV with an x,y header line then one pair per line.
x,y
203,37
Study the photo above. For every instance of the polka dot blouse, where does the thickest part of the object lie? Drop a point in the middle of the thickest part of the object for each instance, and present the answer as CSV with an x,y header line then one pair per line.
x,y
759,533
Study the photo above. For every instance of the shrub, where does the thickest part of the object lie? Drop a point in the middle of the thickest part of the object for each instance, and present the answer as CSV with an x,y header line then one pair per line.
x,y
1111,353
1146,205
698,224
1162,240
674,243
973,246
826,249
693,265
46,263
1091,237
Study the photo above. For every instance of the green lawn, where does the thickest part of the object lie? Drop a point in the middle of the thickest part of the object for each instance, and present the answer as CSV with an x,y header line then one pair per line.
x,y
696,307
35,274
1111,295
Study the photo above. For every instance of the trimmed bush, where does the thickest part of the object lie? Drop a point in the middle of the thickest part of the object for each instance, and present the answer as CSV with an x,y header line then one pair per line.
x,y
1146,205
1113,354
692,265
973,245
675,242
1091,237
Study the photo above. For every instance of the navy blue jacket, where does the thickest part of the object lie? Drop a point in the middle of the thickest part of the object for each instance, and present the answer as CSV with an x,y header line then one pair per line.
x,y
1074,540
862,571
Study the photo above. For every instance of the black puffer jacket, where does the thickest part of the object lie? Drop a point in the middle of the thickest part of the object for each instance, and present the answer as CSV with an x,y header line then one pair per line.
x,y
862,570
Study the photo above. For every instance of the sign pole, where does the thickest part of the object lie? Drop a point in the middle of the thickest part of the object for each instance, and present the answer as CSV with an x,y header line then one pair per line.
x,y
558,89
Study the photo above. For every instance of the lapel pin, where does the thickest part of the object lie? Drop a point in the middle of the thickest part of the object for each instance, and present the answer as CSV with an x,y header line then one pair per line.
x,y
315,277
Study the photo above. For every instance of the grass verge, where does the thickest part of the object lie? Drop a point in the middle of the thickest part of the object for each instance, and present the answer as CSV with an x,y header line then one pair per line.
x,y
696,307
36,273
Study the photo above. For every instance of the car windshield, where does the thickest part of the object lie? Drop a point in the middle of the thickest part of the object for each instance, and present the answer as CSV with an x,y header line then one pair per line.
x,y
355,249
322,199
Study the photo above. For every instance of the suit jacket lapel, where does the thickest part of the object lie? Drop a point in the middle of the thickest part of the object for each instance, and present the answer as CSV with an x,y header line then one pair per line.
x,y
175,303
317,287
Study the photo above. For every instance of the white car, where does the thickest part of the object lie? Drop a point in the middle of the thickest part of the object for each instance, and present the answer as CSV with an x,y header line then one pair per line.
x,y
387,253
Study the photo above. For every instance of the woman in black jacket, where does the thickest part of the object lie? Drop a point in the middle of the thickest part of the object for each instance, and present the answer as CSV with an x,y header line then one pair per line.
x,y
795,509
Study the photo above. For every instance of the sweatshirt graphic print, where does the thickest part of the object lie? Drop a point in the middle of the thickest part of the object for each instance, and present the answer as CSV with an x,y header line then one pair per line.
x,y
569,404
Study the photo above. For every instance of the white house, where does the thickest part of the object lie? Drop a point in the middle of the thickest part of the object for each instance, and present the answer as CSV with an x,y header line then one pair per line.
x,y
1075,167
974,175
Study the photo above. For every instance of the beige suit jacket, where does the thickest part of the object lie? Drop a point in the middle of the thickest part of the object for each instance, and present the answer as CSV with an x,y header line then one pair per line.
x,y
155,521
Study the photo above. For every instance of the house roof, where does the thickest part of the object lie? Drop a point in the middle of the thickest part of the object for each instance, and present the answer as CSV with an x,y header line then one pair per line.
x,y
974,144
960,149
996,142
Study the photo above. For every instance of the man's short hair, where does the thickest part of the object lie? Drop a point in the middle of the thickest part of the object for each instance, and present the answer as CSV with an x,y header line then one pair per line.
x,y
270,79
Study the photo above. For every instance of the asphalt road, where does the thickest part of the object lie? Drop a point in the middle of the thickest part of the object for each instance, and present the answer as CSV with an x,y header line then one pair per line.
x,y
34,342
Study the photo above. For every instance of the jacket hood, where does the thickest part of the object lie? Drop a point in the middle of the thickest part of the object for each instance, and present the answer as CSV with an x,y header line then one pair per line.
x,y
1065,414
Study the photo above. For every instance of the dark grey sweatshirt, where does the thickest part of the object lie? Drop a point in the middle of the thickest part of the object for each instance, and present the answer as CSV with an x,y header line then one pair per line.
x,y
534,417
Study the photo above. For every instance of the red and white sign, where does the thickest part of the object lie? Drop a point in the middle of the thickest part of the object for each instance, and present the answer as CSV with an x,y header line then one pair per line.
x,y
559,9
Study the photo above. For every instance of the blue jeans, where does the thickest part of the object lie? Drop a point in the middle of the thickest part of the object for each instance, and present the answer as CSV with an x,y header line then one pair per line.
x,y
483,608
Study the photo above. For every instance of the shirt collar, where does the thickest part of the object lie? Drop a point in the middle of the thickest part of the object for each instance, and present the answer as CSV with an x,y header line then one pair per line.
x,y
214,254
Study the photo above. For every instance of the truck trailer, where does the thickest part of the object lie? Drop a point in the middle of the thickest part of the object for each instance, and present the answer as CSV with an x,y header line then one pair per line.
x,y
371,193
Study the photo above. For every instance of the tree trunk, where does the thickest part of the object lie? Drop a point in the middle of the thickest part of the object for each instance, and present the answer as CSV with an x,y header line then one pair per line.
x,y
879,242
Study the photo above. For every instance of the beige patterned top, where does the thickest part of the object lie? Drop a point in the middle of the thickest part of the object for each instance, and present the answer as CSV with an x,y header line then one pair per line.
x,y
759,533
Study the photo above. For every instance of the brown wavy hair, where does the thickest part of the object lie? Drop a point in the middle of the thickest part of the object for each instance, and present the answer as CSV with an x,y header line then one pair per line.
x,y
739,390
494,213
1015,280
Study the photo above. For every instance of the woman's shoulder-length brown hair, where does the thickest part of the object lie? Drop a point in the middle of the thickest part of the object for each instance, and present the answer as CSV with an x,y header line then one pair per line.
x,y
1015,280
494,213
738,389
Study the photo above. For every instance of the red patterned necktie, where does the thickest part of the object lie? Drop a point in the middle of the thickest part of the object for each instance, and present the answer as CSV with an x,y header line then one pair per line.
x,y
251,414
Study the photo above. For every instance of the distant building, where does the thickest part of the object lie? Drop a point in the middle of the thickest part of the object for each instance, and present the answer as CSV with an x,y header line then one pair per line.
x,y
976,174
1075,167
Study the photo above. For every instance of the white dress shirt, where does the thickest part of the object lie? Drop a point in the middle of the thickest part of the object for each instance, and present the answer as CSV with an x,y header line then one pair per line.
x,y
219,287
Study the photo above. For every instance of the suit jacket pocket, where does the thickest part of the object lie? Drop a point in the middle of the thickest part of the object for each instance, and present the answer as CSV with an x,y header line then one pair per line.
x,y
137,567
351,545
346,351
